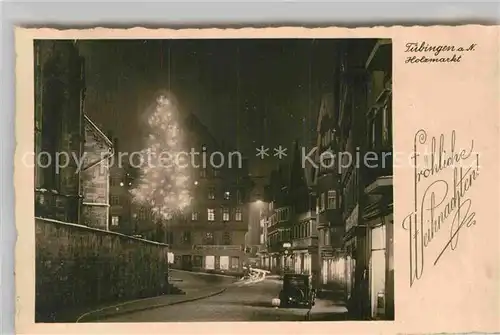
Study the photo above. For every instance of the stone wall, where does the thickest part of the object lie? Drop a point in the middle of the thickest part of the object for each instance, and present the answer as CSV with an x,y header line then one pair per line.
x,y
78,267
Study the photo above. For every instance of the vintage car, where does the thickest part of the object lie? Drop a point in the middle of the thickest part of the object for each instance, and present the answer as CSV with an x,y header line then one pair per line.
x,y
297,291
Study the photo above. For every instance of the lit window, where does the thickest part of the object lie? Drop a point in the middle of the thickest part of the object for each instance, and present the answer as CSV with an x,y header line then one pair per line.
x,y
115,220
225,214
332,200
210,262
238,215
211,214
227,195
211,193
194,216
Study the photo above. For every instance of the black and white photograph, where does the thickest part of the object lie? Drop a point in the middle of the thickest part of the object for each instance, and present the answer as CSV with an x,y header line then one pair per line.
x,y
195,180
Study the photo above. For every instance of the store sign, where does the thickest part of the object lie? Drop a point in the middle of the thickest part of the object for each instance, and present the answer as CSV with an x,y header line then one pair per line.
x,y
352,220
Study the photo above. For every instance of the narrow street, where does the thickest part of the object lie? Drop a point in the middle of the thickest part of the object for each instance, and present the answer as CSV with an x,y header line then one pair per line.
x,y
240,302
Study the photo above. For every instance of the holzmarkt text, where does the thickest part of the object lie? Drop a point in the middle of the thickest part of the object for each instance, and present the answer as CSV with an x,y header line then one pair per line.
x,y
424,52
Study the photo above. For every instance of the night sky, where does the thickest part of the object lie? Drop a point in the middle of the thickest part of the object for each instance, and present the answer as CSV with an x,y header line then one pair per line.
x,y
247,92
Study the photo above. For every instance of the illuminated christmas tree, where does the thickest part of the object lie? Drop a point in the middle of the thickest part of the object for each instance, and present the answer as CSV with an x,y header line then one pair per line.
x,y
163,185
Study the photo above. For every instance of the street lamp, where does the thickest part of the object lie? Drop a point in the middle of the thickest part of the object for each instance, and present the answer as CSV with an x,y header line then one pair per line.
x,y
286,246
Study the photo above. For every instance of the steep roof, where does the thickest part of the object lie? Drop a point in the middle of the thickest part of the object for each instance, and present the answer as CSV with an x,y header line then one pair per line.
x,y
326,110
98,131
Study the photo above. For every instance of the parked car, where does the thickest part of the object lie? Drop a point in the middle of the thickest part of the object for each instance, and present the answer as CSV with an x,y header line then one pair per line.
x,y
297,291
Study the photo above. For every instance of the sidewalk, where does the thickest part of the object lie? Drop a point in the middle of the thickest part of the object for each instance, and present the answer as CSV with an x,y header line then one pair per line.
x,y
191,286
328,310
150,303
330,305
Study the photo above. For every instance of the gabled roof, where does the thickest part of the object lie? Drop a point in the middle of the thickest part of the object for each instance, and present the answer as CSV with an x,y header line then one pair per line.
x,y
98,131
325,110
193,123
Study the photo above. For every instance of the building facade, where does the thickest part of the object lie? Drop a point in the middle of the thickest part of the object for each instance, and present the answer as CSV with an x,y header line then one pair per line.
x,y
95,177
122,217
210,236
59,101
304,230
256,206
331,227
364,129
279,217
291,233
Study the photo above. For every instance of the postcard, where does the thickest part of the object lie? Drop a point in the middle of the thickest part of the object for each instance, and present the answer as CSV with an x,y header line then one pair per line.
x,y
270,180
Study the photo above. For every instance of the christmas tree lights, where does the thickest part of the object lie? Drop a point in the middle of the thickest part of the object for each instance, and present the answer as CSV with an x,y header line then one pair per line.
x,y
163,183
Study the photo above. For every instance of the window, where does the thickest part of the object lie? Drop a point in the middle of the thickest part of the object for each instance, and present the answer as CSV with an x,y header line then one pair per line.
x,y
234,263
194,216
385,134
332,199
186,237
115,220
239,198
224,262
115,200
142,213
203,173
227,195
283,214
211,214
208,238
210,262
225,214
226,238
211,193
322,204
238,215
197,261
